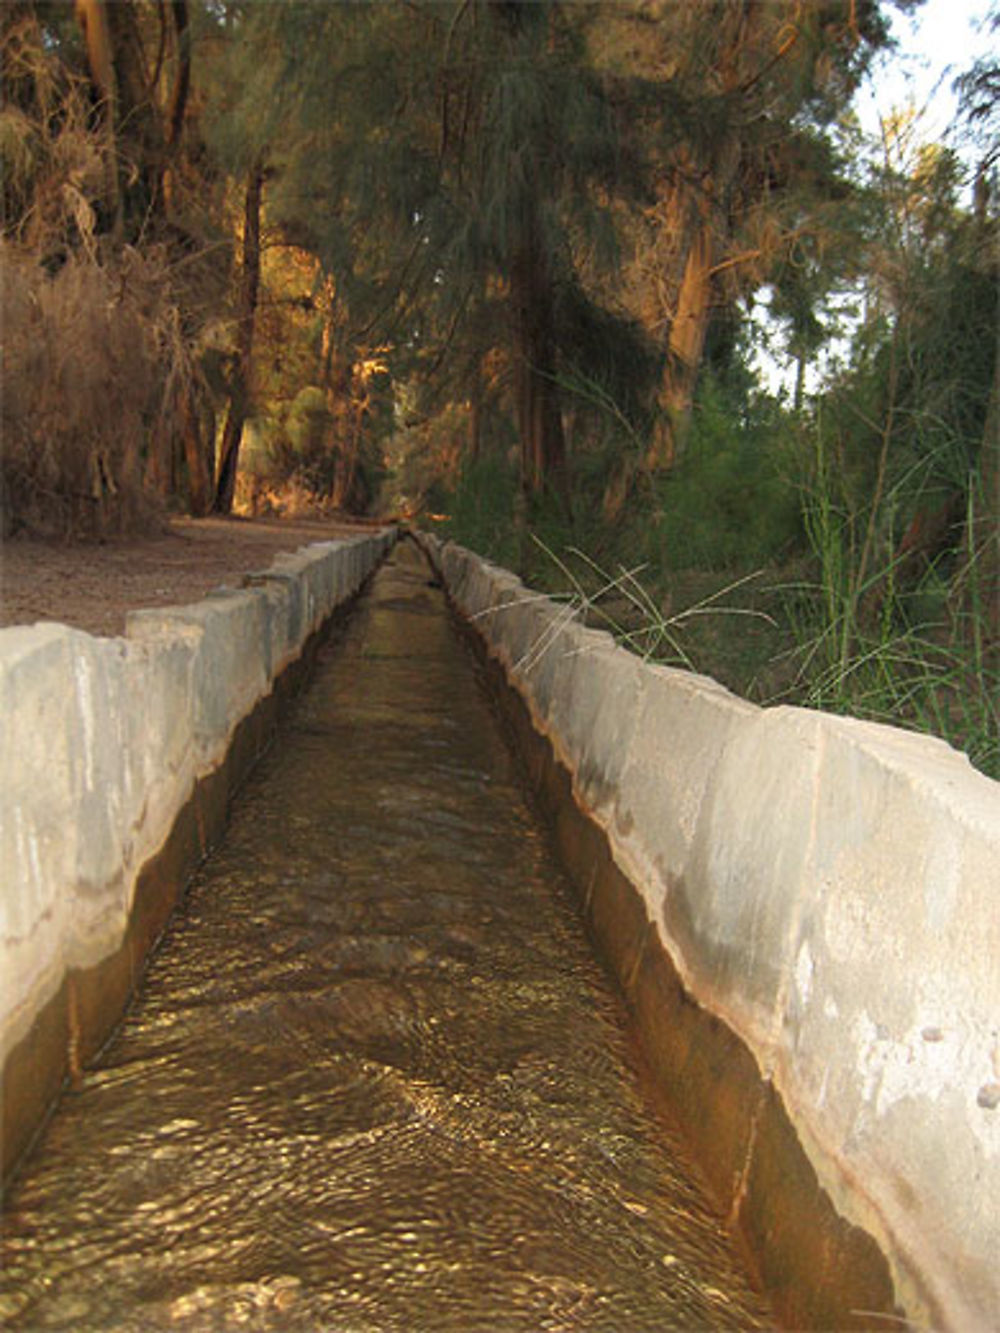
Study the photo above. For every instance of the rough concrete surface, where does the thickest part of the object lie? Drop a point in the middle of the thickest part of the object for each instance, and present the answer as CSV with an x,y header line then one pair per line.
x,y
830,889
103,742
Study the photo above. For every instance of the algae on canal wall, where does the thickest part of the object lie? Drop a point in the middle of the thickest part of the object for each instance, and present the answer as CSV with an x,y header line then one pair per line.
x,y
117,762
804,913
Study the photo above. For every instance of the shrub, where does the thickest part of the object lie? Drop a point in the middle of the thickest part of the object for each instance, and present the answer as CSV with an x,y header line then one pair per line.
x,y
482,508
729,501
85,367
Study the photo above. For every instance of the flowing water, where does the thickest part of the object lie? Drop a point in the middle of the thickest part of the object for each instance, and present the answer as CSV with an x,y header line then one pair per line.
x,y
375,1079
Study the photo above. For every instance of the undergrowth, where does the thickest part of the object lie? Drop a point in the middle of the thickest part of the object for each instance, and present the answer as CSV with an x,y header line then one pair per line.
x,y
103,387
811,625
83,378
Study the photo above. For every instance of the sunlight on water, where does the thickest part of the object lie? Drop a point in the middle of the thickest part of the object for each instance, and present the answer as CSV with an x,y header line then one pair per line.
x,y
376,1080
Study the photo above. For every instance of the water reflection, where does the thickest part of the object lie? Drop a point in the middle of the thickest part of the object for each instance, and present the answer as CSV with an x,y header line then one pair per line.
x,y
376,1080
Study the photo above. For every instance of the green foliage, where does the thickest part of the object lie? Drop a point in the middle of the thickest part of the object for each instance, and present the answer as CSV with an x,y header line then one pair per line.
x,y
870,646
896,624
730,501
482,510
295,453
423,459
299,449
626,604
481,213
608,362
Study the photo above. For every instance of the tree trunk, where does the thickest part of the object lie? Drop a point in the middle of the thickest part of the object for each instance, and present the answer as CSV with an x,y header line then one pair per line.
x,y
700,230
182,82
689,327
345,438
196,457
140,133
92,16
239,398
338,376
800,381
158,476
476,417
679,221
135,134
351,500
539,418
695,296
180,91
975,591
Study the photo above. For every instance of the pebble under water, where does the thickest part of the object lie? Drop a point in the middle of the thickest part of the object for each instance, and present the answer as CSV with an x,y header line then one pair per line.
x,y
375,1078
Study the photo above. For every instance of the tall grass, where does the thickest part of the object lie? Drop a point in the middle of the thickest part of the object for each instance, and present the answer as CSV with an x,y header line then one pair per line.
x,y
482,509
848,640
857,629
624,604
869,644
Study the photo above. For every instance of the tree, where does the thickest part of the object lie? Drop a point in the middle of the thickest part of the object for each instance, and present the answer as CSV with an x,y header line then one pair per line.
x,y
747,171
141,110
246,314
444,162
539,152
261,110
112,276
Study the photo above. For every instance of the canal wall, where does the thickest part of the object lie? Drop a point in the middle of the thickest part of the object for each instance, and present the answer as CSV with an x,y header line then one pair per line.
x,y
117,763
804,914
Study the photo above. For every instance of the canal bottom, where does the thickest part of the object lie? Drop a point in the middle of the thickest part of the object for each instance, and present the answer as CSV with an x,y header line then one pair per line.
x,y
375,1078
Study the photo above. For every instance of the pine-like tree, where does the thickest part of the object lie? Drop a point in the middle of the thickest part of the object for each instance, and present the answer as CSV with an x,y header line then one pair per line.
x,y
746,175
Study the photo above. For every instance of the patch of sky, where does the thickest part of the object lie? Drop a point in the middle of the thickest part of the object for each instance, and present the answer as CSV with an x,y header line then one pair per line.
x,y
933,46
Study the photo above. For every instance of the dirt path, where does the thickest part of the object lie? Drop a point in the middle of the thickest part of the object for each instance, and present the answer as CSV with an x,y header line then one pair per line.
x,y
92,587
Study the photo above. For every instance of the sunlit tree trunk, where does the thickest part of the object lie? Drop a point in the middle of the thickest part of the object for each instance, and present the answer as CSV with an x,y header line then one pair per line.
x,y
699,247
92,16
690,324
239,397
697,223
135,134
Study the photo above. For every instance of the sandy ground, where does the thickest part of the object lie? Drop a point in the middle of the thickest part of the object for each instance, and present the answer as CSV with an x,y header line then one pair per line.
x,y
92,587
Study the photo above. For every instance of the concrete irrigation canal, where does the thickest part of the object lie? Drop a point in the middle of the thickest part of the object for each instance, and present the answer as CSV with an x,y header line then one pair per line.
x,y
375,1076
